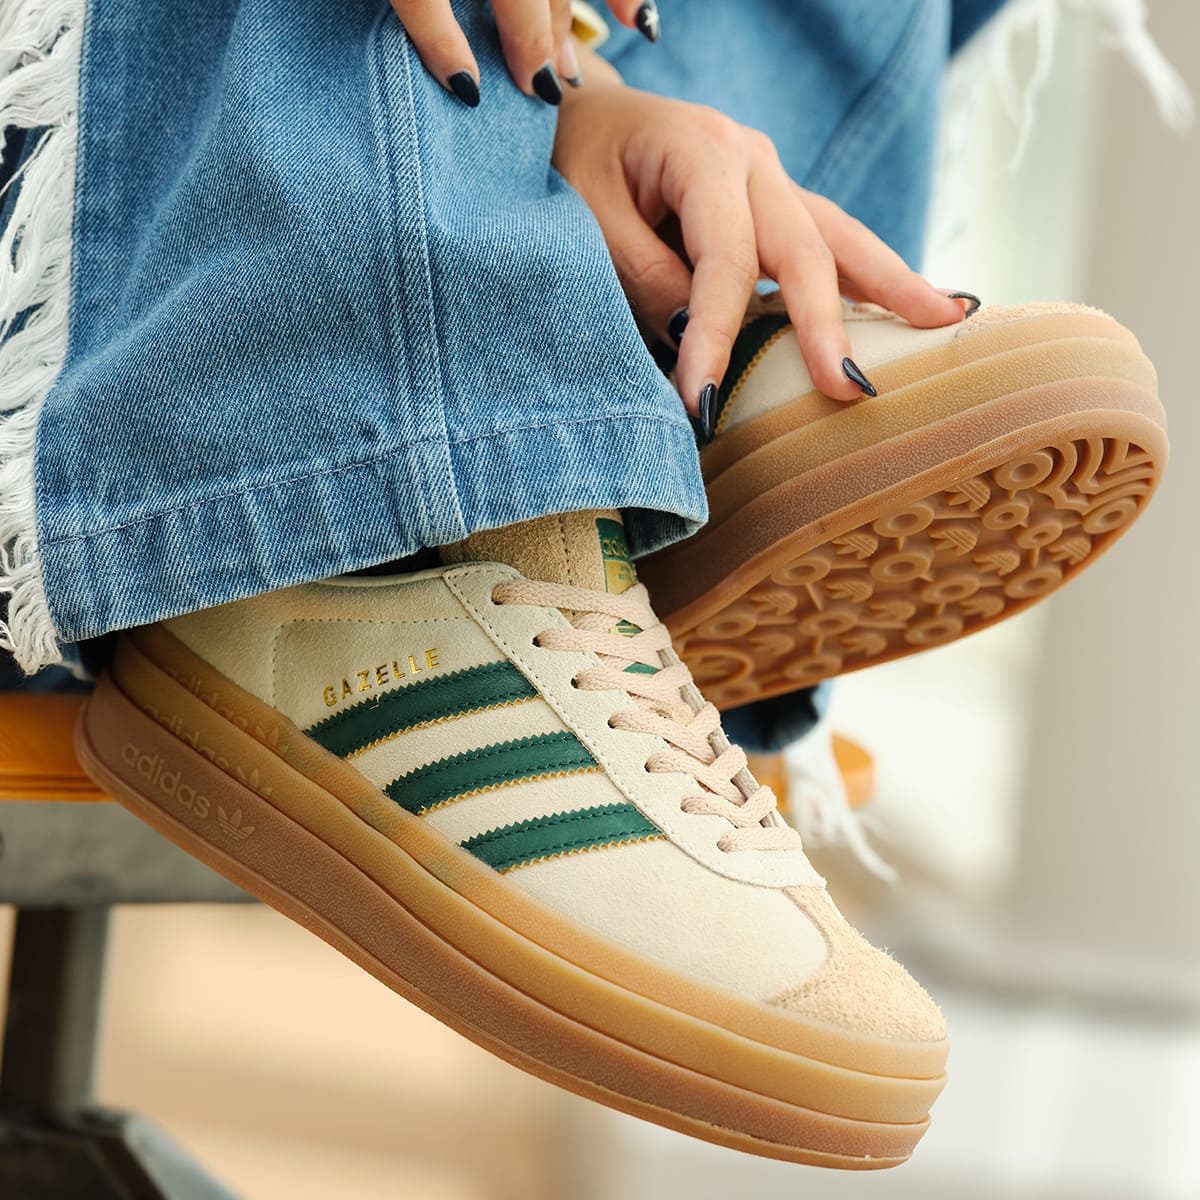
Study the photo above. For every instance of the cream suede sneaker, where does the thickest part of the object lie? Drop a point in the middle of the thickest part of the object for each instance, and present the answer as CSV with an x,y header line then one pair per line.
x,y
494,786
1001,457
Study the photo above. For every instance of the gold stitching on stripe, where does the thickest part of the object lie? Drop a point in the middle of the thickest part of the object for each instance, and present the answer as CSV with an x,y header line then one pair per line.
x,y
737,387
649,837
495,787
470,712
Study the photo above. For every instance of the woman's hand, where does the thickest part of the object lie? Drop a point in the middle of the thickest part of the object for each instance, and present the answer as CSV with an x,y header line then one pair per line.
x,y
534,35
658,171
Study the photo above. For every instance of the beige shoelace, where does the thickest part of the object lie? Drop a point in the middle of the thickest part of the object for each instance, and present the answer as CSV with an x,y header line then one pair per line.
x,y
667,704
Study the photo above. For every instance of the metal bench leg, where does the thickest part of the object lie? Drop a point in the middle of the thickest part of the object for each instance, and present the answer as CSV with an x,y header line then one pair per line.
x,y
53,1017
53,1145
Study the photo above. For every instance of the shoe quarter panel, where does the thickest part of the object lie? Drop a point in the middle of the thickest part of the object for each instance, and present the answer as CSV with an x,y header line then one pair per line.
x,y
656,900
345,671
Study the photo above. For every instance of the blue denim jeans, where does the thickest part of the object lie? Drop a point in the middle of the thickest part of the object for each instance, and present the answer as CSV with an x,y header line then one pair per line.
x,y
322,315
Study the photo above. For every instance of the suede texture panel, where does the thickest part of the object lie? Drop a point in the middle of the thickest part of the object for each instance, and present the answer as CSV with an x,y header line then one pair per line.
x,y
525,801
859,988
287,647
1001,314
658,901
559,549
416,748
781,375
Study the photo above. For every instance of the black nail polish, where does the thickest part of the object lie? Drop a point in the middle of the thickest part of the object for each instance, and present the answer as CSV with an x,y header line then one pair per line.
x,y
648,23
677,324
975,300
546,84
463,85
576,81
708,412
853,372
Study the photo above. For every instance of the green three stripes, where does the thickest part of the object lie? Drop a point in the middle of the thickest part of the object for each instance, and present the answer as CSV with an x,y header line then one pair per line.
x,y
561,833
437,699
540,756
536,757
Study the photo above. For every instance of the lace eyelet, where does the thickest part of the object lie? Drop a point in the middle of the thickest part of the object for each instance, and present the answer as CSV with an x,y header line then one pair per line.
x,y
575,682
536,641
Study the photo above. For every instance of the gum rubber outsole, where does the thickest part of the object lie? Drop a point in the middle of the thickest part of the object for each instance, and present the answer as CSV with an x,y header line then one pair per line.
x,y
827,572
221,781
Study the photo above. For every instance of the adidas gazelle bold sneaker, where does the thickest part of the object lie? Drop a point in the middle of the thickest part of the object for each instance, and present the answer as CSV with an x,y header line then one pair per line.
x,y
494,786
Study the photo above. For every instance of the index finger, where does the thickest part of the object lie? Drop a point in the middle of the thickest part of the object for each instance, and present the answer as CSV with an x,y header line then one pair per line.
x,y
718,234
441,44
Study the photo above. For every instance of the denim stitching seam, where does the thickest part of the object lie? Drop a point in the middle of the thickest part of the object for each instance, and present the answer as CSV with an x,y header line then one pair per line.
x,y
429,338
382,459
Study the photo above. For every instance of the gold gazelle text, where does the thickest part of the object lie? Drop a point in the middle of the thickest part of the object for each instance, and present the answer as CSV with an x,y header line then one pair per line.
x,y
380,676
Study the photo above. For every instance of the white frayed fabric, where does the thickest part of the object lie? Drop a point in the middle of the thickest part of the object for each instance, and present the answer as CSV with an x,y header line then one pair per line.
x,y
990,58
988,63
1122,26
40,43
818,805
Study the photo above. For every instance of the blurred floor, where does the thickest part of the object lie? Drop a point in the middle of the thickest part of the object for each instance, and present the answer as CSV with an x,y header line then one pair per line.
x,y
293,1075
1044,1103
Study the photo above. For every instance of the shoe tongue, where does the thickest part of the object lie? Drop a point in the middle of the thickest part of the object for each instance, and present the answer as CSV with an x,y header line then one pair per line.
x,y
583,549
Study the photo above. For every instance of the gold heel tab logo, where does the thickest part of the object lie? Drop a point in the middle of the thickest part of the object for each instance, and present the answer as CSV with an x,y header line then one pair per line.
x,y
619,575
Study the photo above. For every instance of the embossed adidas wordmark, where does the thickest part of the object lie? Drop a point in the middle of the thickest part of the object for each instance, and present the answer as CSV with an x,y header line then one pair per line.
x,y
154,771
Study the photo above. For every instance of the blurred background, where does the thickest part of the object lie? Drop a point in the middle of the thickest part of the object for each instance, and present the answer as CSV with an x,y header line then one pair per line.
x,y
1037,793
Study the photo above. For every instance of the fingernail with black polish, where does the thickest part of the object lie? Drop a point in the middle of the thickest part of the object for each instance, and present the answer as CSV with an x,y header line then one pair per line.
x,y
647,21
546,84
972,308
677,324
853,372
463,85
708,411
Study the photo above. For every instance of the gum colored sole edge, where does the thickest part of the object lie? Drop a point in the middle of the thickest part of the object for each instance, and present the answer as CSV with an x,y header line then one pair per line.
x,y
293,871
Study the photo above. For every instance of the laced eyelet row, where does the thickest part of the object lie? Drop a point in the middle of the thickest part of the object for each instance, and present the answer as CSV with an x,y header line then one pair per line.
x,y
661,706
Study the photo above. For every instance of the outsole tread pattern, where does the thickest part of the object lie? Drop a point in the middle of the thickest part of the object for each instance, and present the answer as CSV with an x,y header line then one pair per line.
x,y
923,573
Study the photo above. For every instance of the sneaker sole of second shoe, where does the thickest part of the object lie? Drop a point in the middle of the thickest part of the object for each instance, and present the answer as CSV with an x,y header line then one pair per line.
x,y
237,785
840,541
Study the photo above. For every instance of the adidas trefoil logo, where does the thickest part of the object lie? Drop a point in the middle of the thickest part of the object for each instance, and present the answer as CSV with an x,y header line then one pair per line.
x,y
232,825
251,780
